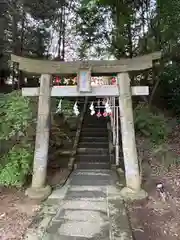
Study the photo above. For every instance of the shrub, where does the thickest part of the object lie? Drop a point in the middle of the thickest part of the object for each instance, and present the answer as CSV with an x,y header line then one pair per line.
x,y
18,166
15,120
15,115
168,90
17,132
150,124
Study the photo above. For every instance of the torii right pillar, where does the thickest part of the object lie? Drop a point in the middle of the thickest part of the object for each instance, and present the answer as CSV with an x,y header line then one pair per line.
x,y
133,190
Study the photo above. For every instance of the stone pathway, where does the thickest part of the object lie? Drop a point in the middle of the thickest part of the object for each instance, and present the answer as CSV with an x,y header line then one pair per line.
x,y
88,207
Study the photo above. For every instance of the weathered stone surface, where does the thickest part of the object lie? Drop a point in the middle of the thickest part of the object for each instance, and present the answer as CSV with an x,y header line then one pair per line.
x,y
88,188
85,194
131,164
119,221
39,193
101,66
85,205
42,133
89,178
129,194
87,212
59,193
80,229
81,215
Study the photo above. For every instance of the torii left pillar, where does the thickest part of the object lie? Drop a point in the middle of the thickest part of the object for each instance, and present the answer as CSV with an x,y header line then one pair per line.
x,y
39,189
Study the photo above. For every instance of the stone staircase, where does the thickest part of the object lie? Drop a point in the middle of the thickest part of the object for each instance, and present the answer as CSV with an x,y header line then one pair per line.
x,y
93,149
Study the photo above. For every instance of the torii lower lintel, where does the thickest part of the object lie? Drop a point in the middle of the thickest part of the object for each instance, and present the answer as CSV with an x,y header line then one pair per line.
x,y
72,91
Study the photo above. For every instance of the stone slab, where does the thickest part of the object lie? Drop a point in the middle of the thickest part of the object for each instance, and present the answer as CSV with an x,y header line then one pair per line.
x,y
85,205
88,180
96,178
59,193
85,194
81,215
102,172
62,237
82,229
120,228
89,188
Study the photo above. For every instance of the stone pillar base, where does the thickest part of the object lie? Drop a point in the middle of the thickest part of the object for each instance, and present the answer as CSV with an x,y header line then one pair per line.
x,y
38,193
129,194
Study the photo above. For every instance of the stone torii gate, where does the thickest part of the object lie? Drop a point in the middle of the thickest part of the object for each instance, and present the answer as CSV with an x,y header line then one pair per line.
x,y
123,90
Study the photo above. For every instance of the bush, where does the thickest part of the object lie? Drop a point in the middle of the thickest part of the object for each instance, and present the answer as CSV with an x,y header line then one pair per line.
x,y
15,115
15,120
17,134
18,166
168,92
150,124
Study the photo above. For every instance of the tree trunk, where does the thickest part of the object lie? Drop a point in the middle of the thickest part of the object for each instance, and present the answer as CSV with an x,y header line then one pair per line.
x,y
21,77
14,38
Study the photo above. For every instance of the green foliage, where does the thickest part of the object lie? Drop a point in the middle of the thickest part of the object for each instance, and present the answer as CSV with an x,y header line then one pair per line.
x,y
18,166
169,87
150,124
14,115
15,119
94,37
66,108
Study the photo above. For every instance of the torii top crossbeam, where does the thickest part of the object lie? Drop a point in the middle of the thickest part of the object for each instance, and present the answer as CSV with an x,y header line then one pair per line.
x,y
97,67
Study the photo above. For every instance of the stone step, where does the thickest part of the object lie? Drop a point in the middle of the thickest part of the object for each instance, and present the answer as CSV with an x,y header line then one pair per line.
x,y
91,151
94,121
88,117
95,118
94,139
94,133
94,144
91,158
89,195
94,165
94,129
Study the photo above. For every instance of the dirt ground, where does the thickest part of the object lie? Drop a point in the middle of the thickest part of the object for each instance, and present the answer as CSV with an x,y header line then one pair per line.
x,y
17,211
157,218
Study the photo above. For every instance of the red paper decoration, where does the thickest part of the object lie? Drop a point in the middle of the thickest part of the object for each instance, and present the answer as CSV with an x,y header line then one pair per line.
x,y
98,114
105,114
58,80
113,81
